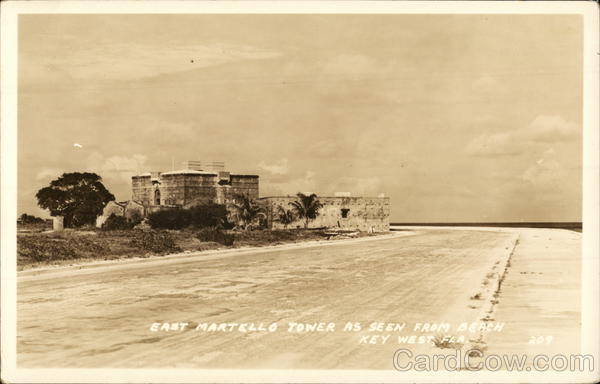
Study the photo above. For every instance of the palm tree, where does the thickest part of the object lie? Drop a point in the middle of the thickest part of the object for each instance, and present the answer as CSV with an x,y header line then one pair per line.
x,y
247,212
307,207
285,216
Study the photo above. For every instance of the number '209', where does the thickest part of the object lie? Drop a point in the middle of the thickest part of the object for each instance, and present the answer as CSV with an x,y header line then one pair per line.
x,y
540,339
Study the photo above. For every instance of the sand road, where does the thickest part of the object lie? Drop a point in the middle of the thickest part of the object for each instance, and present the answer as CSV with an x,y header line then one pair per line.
x,y
102,317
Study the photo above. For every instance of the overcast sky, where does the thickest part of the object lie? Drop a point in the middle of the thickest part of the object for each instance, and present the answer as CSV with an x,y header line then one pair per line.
x,y
456,118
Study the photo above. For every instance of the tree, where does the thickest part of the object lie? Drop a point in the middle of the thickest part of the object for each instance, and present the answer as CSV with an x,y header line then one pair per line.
x,y
30,219
306,207
78,197
285,216
247,212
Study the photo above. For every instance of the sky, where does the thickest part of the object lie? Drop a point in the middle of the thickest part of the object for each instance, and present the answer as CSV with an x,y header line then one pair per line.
x,y
457,118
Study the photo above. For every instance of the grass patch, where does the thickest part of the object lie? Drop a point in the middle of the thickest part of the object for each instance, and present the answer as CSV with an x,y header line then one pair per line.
x,y
91,244
155,242
70,245
33,227
216,235
274,237
32,249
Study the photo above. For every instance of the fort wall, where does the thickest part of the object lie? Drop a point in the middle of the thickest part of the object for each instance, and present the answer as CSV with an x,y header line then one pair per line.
x,y
190,187
155,191
141,188
352,213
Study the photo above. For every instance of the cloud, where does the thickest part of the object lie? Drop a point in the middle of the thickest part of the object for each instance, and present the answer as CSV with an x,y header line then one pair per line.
x,y
325,148
549,172
542,130
497,144
306,182
117,168
360,186
543,172
334,67
277,168
350,65
488,85
551,128
48,173
124,163
134,61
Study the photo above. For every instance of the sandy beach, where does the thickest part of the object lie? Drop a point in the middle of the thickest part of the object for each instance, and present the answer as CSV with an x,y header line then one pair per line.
x,y
102,317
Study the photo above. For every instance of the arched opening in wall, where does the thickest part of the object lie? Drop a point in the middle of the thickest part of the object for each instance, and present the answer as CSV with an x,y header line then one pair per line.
x,y
345,212
157,197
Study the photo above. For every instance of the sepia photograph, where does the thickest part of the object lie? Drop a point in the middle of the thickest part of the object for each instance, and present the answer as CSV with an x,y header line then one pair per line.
x,y
299,192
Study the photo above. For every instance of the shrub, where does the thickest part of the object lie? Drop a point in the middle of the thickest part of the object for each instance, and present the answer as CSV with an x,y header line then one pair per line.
x,y
30,219
169,219
201,216
154,241
115,222
135,218
209,215
215,235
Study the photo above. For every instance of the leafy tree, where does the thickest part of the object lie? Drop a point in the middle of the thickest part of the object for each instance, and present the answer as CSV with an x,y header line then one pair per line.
x,y
306,207
30,219
78,197
247,212
285,216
